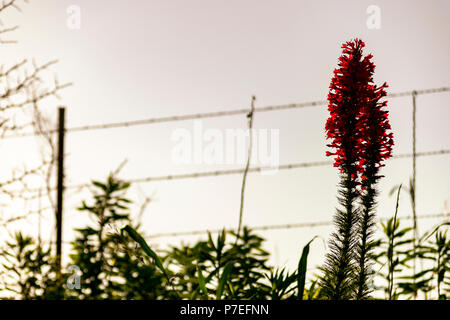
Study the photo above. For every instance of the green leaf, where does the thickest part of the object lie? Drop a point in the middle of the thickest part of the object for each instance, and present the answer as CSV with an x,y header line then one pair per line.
x,y
207,280
223,280
312,290
99,185
201,281
302,265
141,241
394,188
426,236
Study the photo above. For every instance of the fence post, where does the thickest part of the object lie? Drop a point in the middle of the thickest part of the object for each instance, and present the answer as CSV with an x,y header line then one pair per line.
x,y
413,183
414,155
60,186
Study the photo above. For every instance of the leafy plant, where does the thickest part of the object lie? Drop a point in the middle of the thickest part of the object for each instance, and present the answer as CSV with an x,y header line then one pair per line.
x,y
111,264
393,254
121,264
435,253
31,269
205,263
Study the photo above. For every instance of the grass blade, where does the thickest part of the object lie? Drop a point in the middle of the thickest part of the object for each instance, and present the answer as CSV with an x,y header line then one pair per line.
x,y
302,265
201,282
223,280
206,281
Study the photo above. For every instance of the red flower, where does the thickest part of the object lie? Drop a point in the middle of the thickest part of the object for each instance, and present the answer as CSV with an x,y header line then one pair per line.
x,y
378,141
358,123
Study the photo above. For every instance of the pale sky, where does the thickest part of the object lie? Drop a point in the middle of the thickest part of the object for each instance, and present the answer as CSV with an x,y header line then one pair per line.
x,y
132,60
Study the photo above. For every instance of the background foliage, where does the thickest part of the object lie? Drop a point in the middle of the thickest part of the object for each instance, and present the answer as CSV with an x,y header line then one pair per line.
x,y
115,264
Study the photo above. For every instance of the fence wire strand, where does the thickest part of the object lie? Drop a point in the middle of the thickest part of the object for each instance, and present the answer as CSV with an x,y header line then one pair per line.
x,y
126,124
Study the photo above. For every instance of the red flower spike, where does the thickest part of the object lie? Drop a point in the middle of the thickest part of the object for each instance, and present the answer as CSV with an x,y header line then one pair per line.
x,y
358,123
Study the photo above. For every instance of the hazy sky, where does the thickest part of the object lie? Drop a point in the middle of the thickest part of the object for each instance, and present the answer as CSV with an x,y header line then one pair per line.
x,y
142,59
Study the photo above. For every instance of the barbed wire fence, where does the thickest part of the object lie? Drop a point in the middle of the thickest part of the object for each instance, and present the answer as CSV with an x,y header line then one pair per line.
x,y
224,113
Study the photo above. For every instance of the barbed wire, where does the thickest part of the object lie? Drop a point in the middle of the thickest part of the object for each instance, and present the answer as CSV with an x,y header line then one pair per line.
x,y
288,166
284,226
215,114
194,175
270,227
